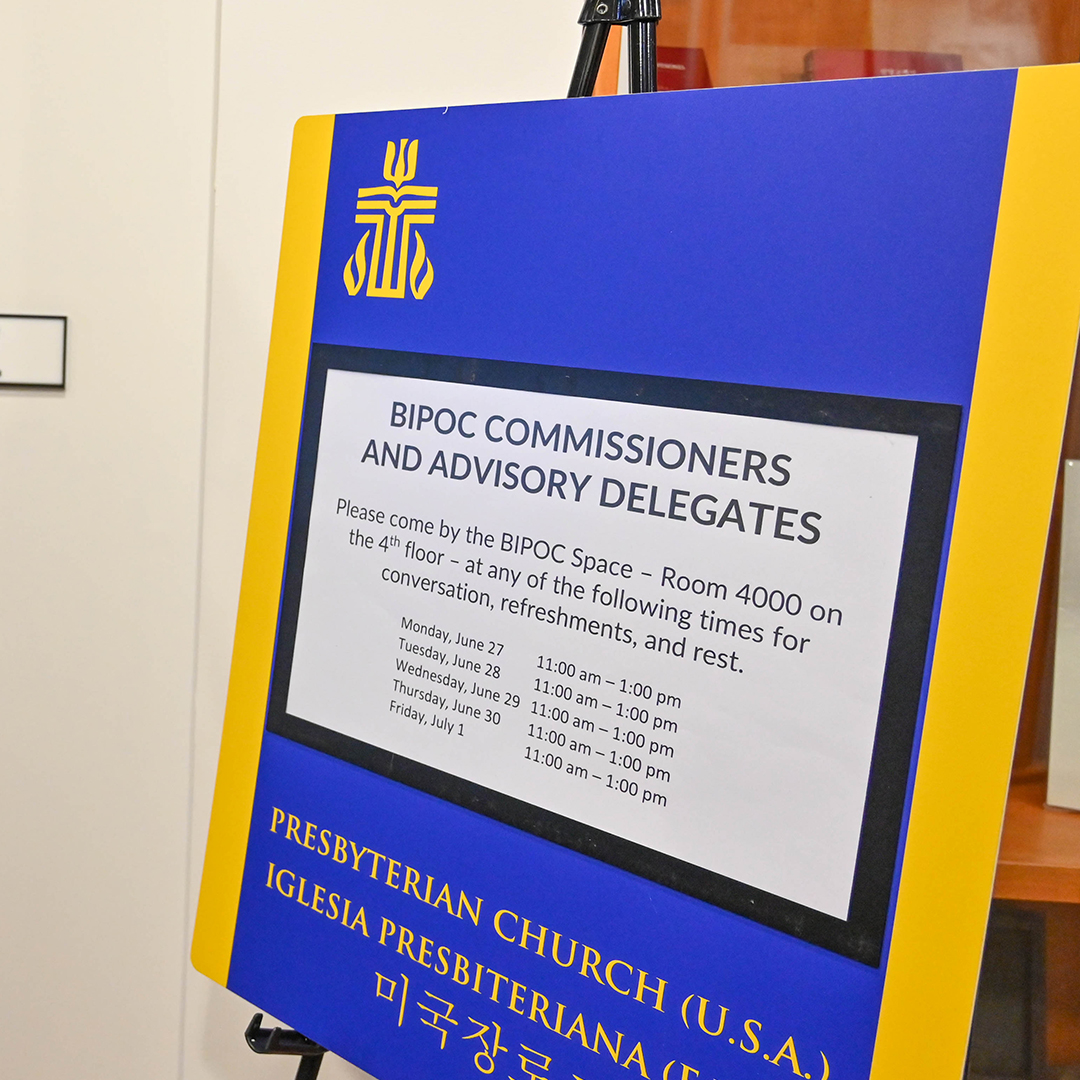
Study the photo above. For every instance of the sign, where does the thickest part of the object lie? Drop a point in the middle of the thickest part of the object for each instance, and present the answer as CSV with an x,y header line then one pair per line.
x,y
33,350
617,684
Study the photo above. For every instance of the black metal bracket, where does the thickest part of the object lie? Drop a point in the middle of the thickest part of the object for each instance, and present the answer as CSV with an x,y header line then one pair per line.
x,y
286,1041
597,18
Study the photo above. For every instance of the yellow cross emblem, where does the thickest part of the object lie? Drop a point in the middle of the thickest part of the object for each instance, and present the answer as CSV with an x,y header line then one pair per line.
x,y
394,209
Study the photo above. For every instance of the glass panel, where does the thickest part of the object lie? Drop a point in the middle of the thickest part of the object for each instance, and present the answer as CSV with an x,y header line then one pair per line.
x,y
739,42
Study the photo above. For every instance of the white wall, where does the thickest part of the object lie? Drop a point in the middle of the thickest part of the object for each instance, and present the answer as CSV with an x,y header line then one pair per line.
x,y
106,114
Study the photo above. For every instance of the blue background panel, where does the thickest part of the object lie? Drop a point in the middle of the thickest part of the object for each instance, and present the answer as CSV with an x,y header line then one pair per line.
x,y
833,237
285,956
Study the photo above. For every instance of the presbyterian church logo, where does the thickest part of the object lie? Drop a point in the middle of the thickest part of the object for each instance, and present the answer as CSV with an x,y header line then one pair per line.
x,y
392,213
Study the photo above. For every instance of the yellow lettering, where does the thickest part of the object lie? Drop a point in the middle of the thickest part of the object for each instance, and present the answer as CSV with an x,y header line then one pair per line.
x,y
476,983
444,958
788,1051
611,981
324,842
270,877
320,892
292,887
555,939
461,968
341,848
590,965
406,946
536,1010
658,990
425,951
525,935
498,924
332,911
701,1018
427,891
499,979
392,873
637,1056
578,1028
375,857
445,895
361,920
517,996
300,894
463,900
756,1043
558,1018
309,834
276,818
358,854
292,831
388,930
612,1050
412,879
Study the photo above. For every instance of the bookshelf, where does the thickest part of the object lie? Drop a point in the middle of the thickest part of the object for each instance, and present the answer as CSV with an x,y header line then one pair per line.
x,y
766,41
1039,859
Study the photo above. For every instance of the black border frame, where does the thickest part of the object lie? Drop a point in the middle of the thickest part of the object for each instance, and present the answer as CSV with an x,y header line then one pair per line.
x,y
62,384
937,427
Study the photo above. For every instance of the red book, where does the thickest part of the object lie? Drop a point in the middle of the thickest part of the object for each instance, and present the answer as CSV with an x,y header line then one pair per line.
x,y
863,63
681,69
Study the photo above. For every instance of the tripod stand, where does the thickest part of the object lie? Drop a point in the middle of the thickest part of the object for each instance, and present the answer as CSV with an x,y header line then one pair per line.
x,y
598,17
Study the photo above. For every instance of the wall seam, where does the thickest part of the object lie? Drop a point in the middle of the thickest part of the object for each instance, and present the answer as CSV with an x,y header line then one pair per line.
x,y
185,964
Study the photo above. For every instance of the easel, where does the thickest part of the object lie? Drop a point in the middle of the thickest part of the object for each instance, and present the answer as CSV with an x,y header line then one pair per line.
x,y
286,1041
597,18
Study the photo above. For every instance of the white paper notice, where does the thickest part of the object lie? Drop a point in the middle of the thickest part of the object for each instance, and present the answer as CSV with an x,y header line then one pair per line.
x,y
670,625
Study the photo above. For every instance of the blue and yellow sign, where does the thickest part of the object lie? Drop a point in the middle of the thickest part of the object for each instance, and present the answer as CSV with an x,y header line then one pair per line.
x,y
635,614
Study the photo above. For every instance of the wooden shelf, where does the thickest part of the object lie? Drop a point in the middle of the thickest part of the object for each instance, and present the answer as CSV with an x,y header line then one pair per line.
x,y
1040,848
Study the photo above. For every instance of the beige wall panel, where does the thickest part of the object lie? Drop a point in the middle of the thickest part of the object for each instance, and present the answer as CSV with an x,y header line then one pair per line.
x,y
106,114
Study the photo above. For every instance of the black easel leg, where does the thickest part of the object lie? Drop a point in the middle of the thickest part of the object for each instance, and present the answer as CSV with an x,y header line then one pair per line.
x,y
593,41
285,1041
309,1067
642,57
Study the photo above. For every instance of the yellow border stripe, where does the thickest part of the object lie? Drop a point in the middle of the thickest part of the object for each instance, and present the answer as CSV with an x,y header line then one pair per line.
x,y
1006,489
264,558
